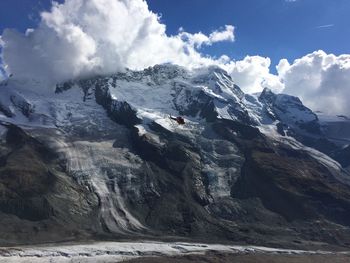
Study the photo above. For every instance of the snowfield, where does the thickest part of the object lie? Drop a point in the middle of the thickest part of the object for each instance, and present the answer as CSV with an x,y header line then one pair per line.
x,y
120,251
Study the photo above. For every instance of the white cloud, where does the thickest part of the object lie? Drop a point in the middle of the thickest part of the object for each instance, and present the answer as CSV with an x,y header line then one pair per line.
x,y
252,74
198,39
321,80
195,40
225,35
82,37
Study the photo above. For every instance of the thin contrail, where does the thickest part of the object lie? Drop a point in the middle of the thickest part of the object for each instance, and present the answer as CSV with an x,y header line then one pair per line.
x,y
325,26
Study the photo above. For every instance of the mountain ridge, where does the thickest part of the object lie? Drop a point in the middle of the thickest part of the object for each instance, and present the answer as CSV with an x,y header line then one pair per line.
x,y
243,168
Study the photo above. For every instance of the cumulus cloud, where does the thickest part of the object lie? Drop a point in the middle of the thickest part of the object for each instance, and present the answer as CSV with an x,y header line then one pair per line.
x,y
83,37
199,39
225,35
252,74
321,80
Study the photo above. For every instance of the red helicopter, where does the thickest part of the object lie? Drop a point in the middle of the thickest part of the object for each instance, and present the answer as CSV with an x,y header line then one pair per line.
x,y
180,120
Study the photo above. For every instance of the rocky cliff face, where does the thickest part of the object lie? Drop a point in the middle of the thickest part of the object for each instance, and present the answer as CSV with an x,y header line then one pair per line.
x,y
38,201
100,158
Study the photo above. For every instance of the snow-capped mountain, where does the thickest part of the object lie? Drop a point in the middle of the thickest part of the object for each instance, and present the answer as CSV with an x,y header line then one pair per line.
x,y
101,157
155,94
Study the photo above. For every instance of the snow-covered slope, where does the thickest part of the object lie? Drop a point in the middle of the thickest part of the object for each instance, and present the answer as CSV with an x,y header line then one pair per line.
x,y
151,96
154,94
337,128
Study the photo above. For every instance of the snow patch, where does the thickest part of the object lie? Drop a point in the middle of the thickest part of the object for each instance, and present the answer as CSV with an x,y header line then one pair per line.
x,y
120,251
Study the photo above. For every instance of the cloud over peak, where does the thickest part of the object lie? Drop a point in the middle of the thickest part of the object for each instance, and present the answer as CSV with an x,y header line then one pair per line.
x,y
322,80
82,37
85,37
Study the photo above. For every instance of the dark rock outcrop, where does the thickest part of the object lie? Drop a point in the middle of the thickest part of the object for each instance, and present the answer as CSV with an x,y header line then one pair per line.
x,y
38,201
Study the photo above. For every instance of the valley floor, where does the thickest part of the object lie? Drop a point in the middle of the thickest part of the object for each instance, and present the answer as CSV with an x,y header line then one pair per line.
x,y
173,252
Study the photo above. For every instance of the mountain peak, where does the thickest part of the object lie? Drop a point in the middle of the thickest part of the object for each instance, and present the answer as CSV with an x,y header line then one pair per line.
x,y
267,96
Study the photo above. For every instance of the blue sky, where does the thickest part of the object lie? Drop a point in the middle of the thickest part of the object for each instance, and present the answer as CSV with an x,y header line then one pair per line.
x,y
273,28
